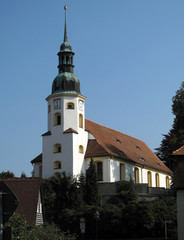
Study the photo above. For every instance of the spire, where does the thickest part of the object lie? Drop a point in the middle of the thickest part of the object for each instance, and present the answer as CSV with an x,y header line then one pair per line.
x,y
65,32
66,81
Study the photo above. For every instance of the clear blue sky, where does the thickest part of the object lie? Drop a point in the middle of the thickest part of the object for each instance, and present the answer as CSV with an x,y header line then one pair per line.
x,y
129,58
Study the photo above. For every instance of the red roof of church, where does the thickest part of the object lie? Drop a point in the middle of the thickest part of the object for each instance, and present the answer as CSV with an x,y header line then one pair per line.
x,y
179,151
26,191
109,142
122,146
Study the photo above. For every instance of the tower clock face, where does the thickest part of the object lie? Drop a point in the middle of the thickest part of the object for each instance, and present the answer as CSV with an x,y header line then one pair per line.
x,y
57,103
81,103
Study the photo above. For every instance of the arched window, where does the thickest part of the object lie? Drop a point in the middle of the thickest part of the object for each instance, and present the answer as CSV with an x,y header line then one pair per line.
x,y
57,165
149,179
80,120
67,60
122,172
57,119
70,105
157,180
57,148
136,175
81,149
167,182
99,169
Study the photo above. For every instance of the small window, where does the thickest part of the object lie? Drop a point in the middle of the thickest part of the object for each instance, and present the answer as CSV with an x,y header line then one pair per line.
x,y
57,148
80,120
70,105
57,165
57,119
49,108
157,180
81,149
167,182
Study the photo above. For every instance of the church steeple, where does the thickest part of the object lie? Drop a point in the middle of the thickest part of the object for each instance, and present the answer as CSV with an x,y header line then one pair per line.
x,y
66,81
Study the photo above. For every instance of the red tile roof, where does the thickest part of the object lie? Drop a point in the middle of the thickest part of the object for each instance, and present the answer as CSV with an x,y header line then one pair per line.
x,y
122,146
179,151
26,191
37,159
70,130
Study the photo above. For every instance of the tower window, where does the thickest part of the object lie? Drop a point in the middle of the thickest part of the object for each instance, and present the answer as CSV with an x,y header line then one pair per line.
x,y
70,105
49,108
67,60
81,149
57,165
57,148
80,120
57,119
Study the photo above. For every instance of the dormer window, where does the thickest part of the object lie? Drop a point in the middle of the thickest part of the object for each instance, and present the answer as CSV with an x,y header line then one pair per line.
x,y
70,105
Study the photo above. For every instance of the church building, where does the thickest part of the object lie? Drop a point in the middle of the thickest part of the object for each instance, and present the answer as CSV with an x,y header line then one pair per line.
x,y
71,140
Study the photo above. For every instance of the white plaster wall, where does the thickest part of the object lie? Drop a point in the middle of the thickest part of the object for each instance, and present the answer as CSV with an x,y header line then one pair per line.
x,y
66,156
36,169
180,213
114,171
78,158
162,177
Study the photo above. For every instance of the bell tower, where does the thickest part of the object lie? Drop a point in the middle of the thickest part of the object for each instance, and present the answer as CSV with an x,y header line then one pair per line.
x,y
65,141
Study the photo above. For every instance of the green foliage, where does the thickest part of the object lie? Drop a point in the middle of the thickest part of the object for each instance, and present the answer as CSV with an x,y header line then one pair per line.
x,y
59,192
23,175
175,138
21,231
7,174
126,191
91,195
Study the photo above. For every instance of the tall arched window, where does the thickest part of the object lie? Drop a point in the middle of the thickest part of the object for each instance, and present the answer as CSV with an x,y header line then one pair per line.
x,y
149,179
81,149
99,169
57,165
157,180
57,119
136,175
57,148
80,120
167,182
122,172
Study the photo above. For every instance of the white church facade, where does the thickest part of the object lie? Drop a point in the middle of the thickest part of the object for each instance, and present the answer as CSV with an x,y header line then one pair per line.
x,y
71,141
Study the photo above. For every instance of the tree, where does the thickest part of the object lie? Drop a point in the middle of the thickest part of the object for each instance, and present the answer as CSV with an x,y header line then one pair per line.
x,y
175,138
21,230
7,174
91,195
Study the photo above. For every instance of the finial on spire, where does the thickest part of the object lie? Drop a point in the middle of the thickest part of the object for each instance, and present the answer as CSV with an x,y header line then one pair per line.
x,y
65,33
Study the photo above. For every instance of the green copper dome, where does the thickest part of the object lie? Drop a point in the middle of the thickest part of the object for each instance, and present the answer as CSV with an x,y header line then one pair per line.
x,y
66,82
